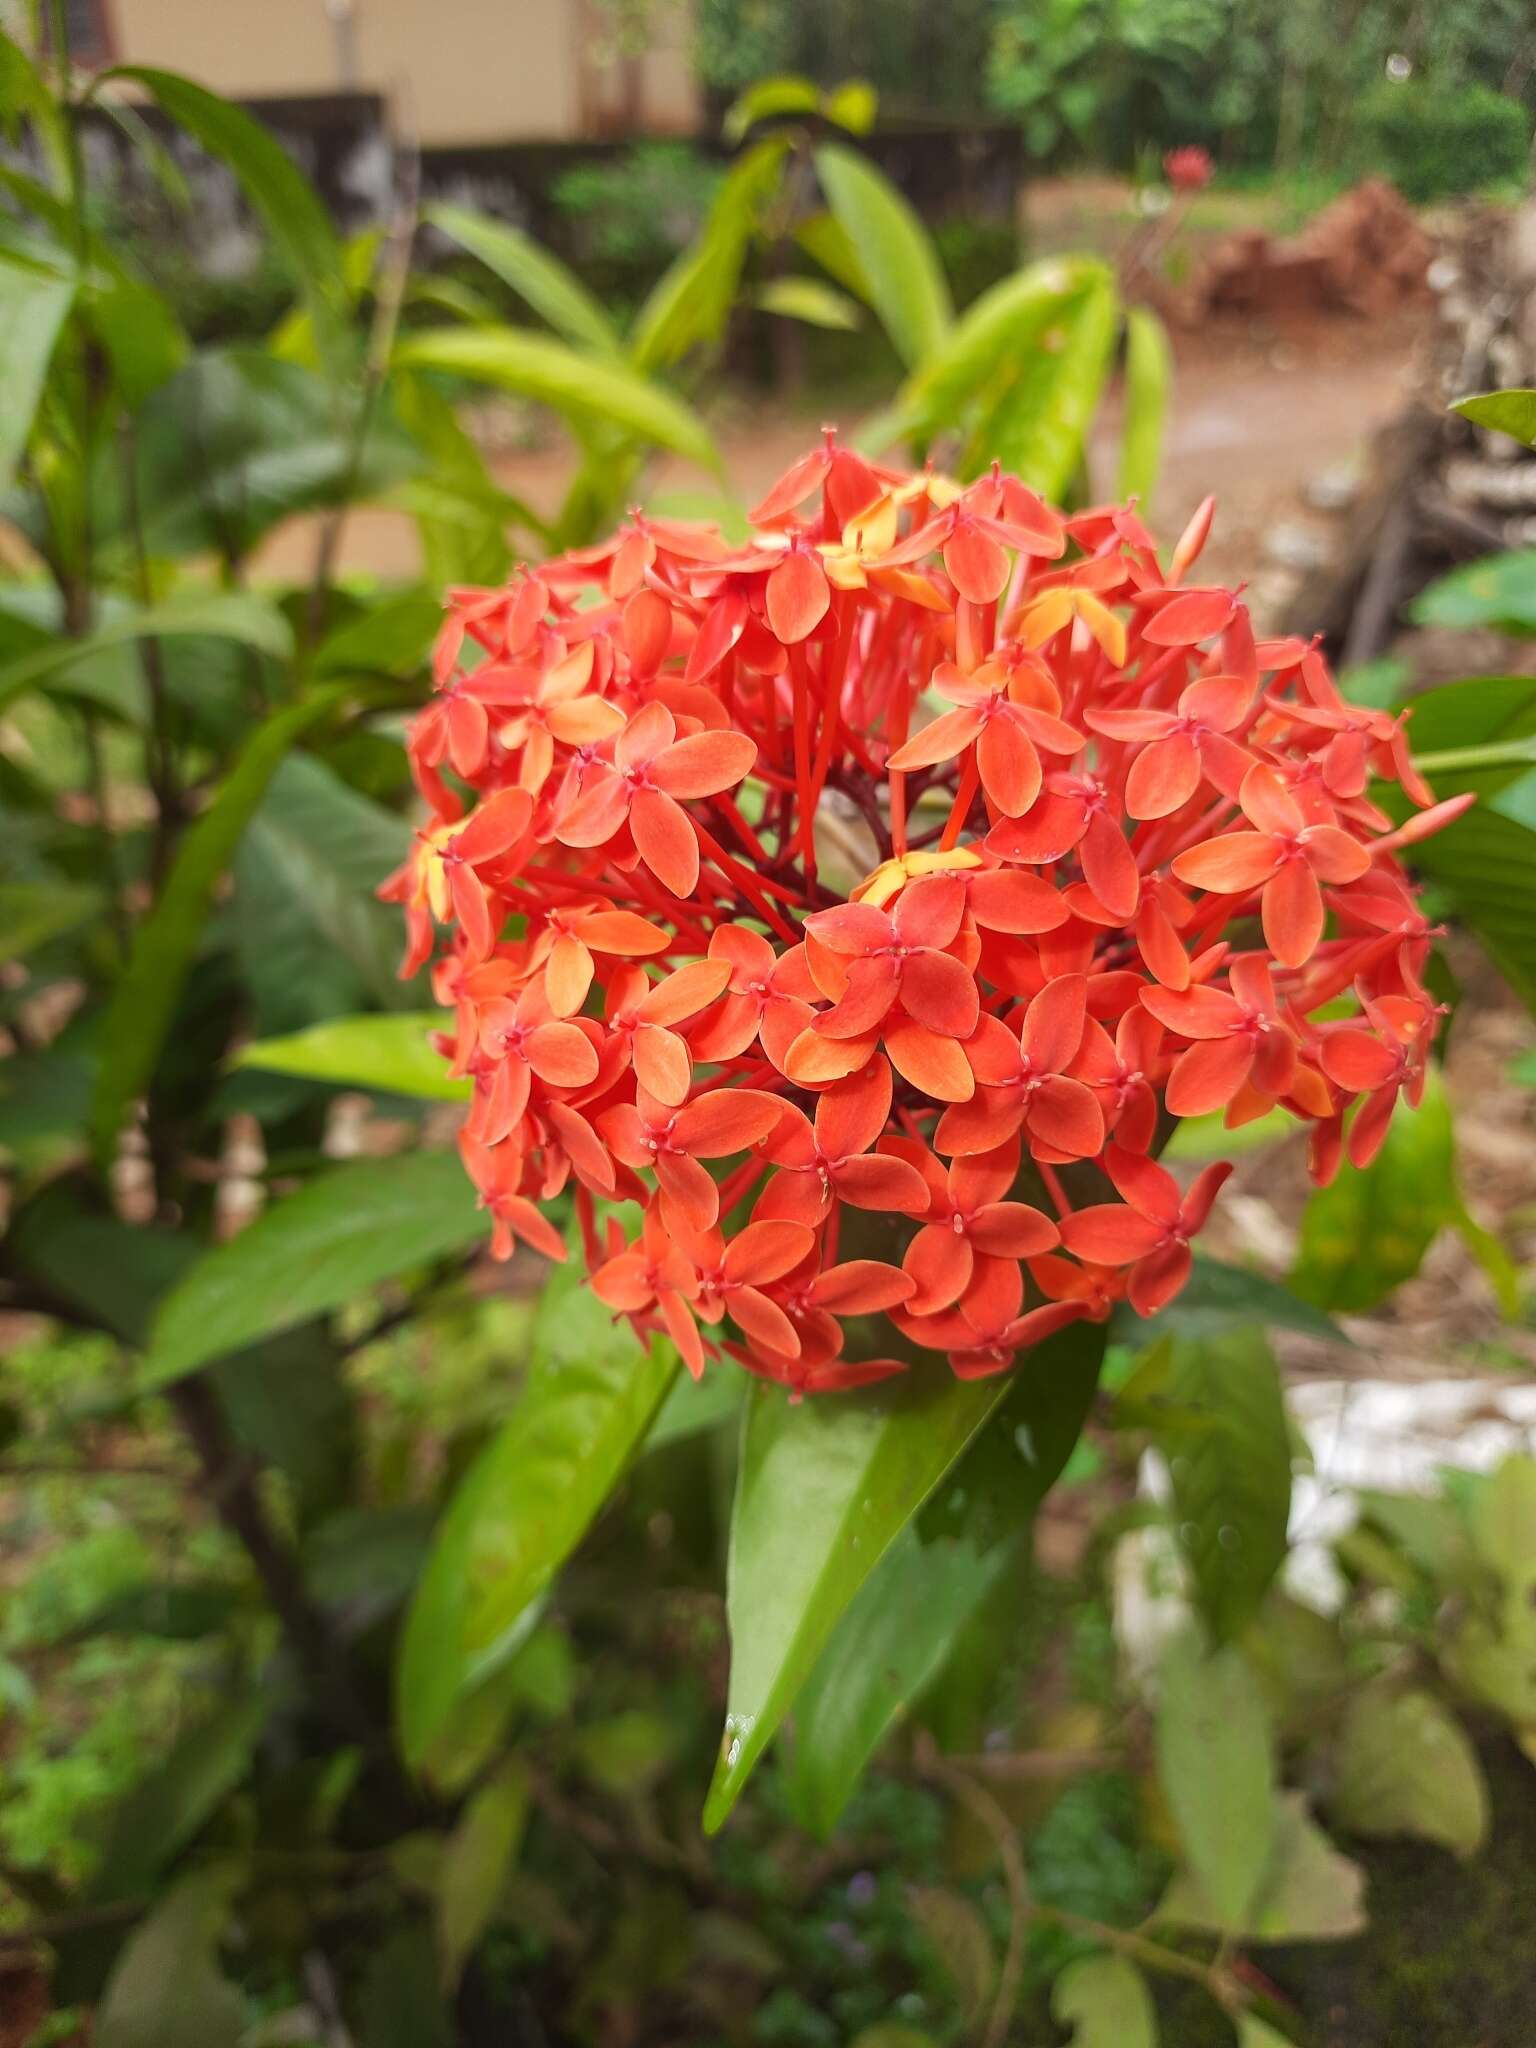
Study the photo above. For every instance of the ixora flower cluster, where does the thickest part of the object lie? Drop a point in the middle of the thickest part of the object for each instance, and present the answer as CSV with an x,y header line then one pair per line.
x,y
1124,869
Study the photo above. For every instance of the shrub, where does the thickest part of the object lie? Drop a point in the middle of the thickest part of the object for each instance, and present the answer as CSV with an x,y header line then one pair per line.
x,y
1434,143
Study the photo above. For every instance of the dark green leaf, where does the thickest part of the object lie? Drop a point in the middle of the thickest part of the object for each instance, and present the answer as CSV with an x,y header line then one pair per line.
x,y
401,2005
113,1273
367,1559
1404,1766
349,1230
554,292
1148,375
167,1990
389,638
34,304
289,1407
180,1611
165,944
1506,412
32,913
480,1854
1215,1758
161,1815
895,253
592,1393
583,386
391,1055
233,615
1105,2001
1231,1477
1219,1298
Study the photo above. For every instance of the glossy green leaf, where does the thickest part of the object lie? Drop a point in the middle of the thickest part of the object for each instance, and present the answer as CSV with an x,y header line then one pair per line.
x,y
765,101
1309,1891
896,255
554,291
694,1406
1105,2001
34,304
533,365
217,614
1216,1764
1369,1230
162,1813
1231,1476
1218,1298
1495,590
891,1643
476,1864
144,1002
393,1055
809,300
289,207
32,913
591,1395
1506,412
344,1232
1039,427
824,1490
167,1989
1148,378
1404,1766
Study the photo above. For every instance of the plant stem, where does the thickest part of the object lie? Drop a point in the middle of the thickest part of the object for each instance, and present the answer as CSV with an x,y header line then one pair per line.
x,y
1495,754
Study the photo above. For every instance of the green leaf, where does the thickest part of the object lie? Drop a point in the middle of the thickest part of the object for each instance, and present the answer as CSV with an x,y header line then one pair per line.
x,y
896,254
161,1815
388,638
276,188
1252,2032
824,1490
991,339
1219,1298
691,301
1506,412
1369,1230
591,1395
765,101
580,386
1404,1766
32,913
962,1943
1309,1891
694,1406
1215,1759
826,242
1039,427
392,1055
219,614
810,300
554,292
175,1611
312,940
167,1990
144,1002
1496,590
1105,2001
350,1229
114,1273
852,105
400,2002
476,1864
34,304
1148,376
1232,1477
892,1642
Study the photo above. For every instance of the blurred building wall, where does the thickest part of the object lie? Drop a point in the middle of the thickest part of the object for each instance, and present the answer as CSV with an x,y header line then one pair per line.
x,y
452,71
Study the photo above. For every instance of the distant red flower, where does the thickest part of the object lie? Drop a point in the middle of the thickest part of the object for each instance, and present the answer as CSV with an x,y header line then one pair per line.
x,y
1188,168
1127,867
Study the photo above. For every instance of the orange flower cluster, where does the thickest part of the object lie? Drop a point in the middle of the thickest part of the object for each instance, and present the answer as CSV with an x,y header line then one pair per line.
x,y
1123,868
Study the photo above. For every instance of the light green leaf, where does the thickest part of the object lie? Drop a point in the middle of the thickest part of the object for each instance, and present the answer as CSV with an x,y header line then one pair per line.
x,y
276,188
896,255
346,1231
1369,1230
34,304
691,301
1404,1766
826,242
144,1002
1148,376
1105,2001
392,1055
1495,590
479,1857
962,1942
32,913
1506,412
824,1490
591,1395
218,614
810,300
1309,1891
852,105
579,385
554,292
1503,1526
892,1642
1216,1762
1231,1477
166,1989
764,101
1252,2032
162,1813
1039,426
